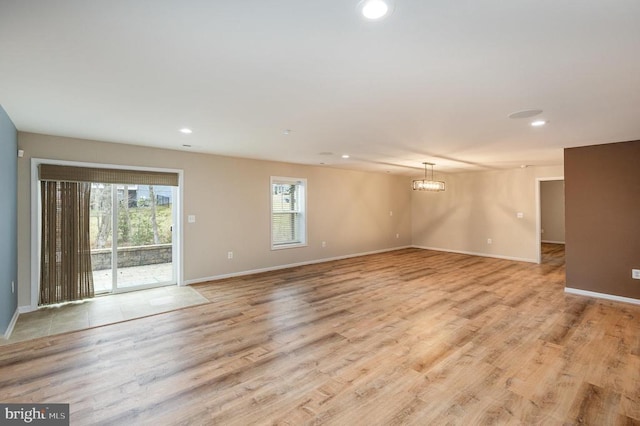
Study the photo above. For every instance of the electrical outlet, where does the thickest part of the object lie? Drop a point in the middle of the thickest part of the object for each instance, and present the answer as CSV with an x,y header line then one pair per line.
x,y
397,235
635,274
489,241
229,255
324,244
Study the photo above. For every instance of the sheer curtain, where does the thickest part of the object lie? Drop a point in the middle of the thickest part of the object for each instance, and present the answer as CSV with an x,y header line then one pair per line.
x,y
65,264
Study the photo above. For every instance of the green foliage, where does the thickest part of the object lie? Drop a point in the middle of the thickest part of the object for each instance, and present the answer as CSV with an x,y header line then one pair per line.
x,y
123,225
142,232
139,231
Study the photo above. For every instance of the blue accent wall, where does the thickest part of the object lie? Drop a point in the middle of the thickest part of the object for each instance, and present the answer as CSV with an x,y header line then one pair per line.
x,y
8,219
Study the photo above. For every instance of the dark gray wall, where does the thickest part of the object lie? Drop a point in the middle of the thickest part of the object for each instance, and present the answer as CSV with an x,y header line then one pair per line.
x,y
8,219
602,207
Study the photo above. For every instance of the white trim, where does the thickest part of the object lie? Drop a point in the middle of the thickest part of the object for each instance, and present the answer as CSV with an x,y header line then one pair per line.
x,y
35,233
177,256
27,308
301,182
35,216
539,216
12,324
290,265
472,253
553,242
115,229
604,296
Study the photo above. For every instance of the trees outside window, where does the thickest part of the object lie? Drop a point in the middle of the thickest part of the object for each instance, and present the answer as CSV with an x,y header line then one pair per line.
x,y
144,215
288,212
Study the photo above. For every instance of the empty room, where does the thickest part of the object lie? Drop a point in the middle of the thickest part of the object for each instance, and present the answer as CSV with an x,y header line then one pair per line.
x,y
347,212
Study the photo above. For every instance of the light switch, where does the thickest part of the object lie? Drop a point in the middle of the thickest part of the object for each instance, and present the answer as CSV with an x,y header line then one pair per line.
x,y
519,215
191,218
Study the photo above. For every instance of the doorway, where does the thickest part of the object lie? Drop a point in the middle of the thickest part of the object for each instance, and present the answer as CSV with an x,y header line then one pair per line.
x,y
550,218
131,228
135,231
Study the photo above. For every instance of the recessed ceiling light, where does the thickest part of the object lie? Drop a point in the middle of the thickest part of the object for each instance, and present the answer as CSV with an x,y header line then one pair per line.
x,y
527,113
374,9
345,156
286,131
538,123
524,166
186,145
186,131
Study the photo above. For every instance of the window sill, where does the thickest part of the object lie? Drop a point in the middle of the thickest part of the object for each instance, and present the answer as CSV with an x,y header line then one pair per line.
x,y
288,246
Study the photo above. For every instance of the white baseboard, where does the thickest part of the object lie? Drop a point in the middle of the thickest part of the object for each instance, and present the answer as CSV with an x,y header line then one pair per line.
x,y
605,296
552,242
12,324
471,253
290,265
27,308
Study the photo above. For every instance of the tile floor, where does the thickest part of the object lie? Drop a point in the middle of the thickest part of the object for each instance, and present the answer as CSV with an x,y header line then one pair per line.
x,y
133,275
102,310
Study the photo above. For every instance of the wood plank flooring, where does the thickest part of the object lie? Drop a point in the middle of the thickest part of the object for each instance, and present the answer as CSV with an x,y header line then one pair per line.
x,y
405,337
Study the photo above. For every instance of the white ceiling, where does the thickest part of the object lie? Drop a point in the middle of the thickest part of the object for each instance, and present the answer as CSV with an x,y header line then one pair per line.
x,y
434,81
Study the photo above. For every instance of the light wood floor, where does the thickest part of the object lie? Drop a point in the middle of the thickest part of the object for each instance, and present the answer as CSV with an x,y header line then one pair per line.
x,y
405,337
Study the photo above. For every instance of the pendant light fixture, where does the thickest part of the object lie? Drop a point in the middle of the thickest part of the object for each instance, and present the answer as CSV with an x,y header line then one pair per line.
x,y
428,184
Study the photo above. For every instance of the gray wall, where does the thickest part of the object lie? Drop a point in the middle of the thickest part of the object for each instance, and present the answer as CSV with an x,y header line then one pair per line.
x,y
552,211
8,219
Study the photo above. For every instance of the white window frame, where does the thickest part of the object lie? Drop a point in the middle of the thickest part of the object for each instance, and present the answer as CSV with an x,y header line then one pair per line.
x,y
178,236
302,183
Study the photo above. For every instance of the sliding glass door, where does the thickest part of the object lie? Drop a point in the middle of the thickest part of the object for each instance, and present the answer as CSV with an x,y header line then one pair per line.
x,y
132,236
101,236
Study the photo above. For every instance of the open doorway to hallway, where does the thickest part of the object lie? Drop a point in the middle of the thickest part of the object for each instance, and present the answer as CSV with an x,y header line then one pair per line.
x,y
551,222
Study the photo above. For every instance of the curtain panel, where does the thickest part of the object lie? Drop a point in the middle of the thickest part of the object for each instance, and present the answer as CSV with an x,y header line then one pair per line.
x,y
65,264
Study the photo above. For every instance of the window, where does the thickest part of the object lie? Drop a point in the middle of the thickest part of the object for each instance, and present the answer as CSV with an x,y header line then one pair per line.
x,y
288,207
123,208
